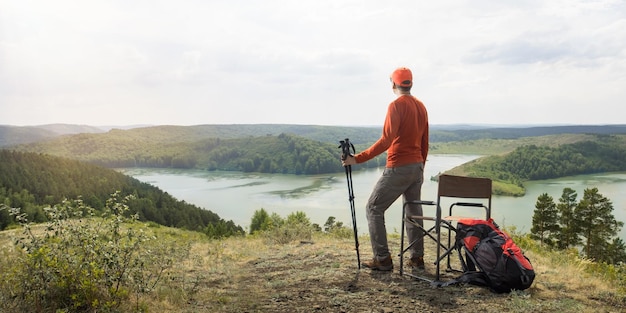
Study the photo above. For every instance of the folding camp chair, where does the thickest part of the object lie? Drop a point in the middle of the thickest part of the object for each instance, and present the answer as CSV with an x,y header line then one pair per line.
x,y
449,186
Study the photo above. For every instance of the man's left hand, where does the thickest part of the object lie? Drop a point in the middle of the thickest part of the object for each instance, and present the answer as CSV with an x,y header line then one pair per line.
x,y
350,160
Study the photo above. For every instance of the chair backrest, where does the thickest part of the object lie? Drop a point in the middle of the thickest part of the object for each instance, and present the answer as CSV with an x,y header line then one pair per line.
x,y
465,187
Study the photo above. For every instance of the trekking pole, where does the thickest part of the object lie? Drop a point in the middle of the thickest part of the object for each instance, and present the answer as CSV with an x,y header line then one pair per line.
x,y
347,149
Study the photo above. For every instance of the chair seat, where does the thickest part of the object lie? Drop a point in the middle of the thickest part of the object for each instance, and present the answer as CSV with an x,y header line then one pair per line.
x,y
454,218
430,218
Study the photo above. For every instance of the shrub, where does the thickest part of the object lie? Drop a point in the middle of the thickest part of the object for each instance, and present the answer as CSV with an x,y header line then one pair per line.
x,y
275,229
288,233
81,263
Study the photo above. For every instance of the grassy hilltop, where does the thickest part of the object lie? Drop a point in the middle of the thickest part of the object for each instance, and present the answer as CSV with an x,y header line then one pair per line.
x,y
316,272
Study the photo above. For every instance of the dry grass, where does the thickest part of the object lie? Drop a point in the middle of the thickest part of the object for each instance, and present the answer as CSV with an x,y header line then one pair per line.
x,y
250,275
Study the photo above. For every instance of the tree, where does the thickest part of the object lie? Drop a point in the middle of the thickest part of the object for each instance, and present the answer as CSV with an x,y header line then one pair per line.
x,y
331,224
597,225
616,251
545,227
260,221
568,236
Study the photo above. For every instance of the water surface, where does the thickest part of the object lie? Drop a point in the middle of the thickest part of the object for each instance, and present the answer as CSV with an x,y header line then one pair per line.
x,y
235,195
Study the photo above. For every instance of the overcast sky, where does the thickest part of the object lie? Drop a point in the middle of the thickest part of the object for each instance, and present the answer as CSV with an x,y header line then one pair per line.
x,y
324,62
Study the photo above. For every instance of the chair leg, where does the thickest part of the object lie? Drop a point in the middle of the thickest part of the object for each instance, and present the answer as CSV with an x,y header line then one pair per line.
x,y
425,233
438,230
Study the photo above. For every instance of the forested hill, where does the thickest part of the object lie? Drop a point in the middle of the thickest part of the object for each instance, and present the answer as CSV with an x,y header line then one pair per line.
x,y
605,153
269,154
33,181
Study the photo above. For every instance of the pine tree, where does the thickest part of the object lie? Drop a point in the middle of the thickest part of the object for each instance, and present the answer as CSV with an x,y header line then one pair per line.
x,y
616,251
545,225
568,236
597,225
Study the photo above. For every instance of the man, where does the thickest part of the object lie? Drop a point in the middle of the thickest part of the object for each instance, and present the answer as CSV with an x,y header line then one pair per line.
x,y
405,138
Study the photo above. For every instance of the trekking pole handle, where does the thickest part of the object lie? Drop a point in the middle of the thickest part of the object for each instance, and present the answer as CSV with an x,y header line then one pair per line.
x,y
347,148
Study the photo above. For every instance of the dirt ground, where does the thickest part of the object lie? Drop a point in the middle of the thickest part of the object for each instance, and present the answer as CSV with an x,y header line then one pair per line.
x,y
332,288
322,276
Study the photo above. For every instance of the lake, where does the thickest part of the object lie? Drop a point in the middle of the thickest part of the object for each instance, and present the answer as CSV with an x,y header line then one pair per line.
x,y
236,196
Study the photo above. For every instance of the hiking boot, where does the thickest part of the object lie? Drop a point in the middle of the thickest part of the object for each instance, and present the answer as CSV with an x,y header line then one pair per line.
x,y
374,264
416,262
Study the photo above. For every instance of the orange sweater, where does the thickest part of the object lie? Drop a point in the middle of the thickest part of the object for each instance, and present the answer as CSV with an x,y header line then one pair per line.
x,y
405,134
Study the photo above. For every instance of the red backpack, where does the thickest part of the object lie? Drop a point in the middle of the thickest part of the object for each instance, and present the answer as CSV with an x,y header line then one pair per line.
x,y
492,259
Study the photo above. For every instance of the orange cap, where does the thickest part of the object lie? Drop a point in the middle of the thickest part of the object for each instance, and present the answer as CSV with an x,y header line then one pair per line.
x,y
402,77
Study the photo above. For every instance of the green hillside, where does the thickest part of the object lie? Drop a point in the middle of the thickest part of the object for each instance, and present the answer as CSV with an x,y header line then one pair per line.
x,y
598,154
33,181
169,148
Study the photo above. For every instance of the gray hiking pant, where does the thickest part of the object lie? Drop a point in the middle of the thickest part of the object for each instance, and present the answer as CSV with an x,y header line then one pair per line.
x,y
403,181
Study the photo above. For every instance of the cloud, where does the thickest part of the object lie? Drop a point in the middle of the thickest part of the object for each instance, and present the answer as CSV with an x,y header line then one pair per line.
x,y
547,47
312,62
581,33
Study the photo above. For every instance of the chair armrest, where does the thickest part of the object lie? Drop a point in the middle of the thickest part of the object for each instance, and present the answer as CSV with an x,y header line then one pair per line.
x,y
419,217
421,202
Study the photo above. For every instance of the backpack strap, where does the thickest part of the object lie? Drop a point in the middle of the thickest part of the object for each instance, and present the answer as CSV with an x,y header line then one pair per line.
x,y
472,278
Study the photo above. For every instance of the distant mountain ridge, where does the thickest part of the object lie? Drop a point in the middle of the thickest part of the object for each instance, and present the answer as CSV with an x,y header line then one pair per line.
x,y
447,133
363,135
15,135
